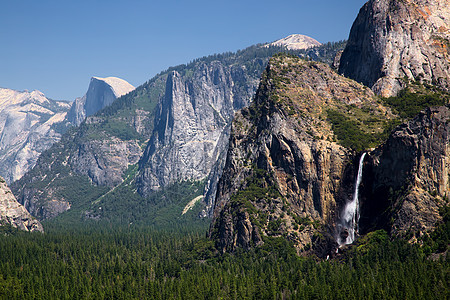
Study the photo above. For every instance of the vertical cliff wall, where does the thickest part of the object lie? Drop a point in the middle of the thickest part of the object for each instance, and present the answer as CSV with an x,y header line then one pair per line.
x,y
192,124
408,177
394,42
101,93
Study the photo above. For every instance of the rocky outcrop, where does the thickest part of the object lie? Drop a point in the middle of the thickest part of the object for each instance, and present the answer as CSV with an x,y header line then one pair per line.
x,y
408,178
29,124
394,42
296,42
13,213
192,124
101,93
105,161
284,175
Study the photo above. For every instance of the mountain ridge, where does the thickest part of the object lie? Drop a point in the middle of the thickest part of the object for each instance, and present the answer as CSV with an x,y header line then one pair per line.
x,y
29,124
101,93
131,118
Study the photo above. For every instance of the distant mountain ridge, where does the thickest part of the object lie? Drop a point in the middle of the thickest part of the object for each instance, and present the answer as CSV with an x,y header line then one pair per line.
x,y
29,124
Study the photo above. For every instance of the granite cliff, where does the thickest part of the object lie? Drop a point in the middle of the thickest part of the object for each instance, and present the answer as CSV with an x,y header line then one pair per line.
x,y
192,124
13,213
29,124
296,42
393,43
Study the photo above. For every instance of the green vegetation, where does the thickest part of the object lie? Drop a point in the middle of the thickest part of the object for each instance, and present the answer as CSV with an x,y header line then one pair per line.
x,y
142,263
123,205
439,239
408,104
257,189
350,132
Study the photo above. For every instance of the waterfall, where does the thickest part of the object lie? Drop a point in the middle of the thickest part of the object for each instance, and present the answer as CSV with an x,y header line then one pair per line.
x,y
350,219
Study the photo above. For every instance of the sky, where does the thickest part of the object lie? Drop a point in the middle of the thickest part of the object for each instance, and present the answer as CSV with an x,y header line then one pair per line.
x,y
57,46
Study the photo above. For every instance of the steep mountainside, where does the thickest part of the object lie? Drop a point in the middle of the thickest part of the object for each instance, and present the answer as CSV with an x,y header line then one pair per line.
x,y
98,152
407,179
285,174
29,124
395,42
101,93
13,213
103,153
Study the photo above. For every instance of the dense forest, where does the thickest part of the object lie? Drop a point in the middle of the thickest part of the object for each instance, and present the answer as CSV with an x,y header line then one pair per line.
x,y
135,262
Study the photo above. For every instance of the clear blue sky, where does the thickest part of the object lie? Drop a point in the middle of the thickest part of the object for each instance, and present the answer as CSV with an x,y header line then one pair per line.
x,y
56,46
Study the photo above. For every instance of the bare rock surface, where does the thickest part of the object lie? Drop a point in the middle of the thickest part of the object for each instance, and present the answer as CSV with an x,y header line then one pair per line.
x,y
101,93
192,124
394,42
296,42
29,124
14,213
409,176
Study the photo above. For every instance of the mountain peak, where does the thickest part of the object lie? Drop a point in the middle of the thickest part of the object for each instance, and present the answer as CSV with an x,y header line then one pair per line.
x,y
119,86
296,42
101,93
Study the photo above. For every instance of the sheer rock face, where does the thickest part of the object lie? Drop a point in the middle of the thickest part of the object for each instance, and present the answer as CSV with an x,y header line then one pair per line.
x,y
192,125
393,42
15,214
101,93
283,173
408,177
29,124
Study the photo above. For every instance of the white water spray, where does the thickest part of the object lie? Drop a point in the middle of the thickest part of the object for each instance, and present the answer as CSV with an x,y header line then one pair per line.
x,y
349,222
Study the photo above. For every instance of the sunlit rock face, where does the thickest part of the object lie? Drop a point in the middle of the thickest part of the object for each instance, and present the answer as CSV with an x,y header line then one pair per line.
x,y
29,124
101,93
296,42
284,174
14,213
392,43
192,125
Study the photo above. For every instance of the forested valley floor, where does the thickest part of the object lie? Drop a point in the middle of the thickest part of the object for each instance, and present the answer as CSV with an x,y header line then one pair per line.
x,y
137,262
